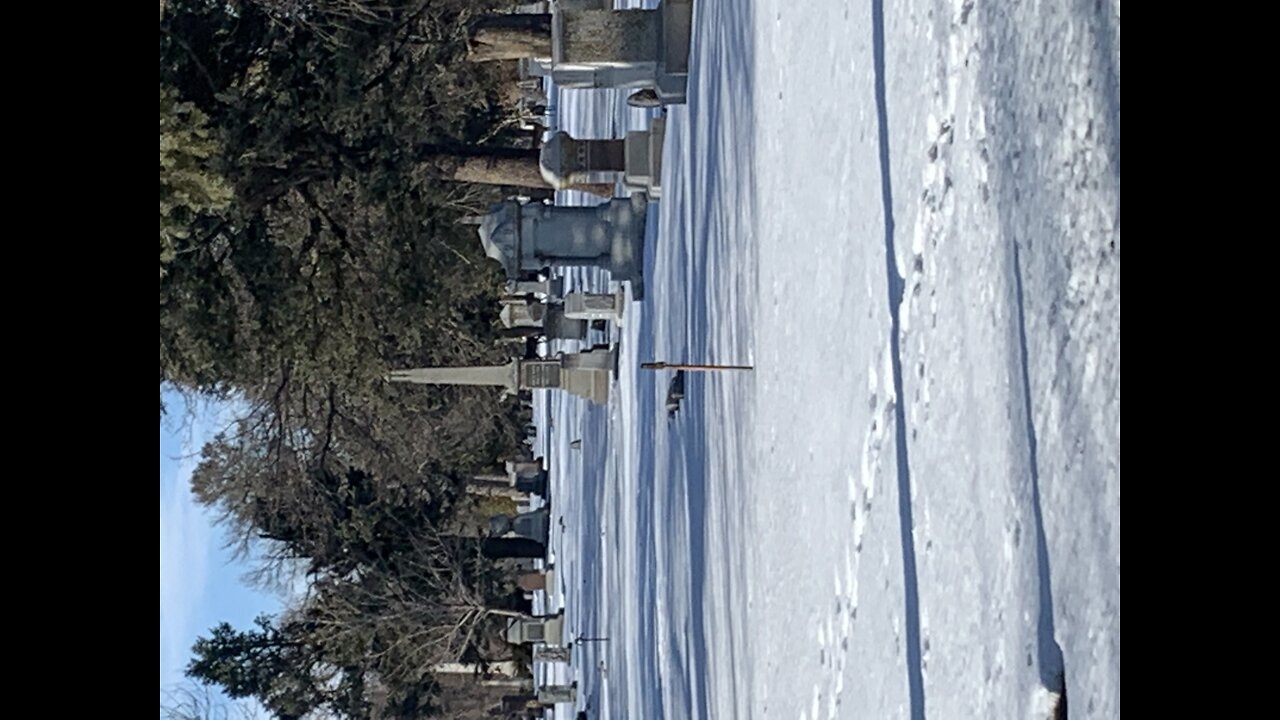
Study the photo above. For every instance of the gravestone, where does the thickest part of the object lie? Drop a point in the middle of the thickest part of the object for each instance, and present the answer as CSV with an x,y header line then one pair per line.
x,y
532,485
551,694
529,237
587,44
546,629
594,306
551,287
566,161
534,525
551,654
525,467
519,312
528,476
642,154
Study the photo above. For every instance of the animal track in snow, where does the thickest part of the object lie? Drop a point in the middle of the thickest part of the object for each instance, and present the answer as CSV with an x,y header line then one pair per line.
x,y
833,632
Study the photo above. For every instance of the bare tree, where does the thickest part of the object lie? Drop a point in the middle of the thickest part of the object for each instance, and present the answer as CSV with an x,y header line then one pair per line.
x,y
199,702
515,167
427,613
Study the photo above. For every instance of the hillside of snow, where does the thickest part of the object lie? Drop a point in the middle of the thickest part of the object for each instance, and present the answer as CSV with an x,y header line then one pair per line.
x,y
906,216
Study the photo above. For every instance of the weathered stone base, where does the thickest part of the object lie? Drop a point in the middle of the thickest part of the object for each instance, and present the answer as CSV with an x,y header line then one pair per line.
x,y
626,259
551,694
552,654
595,306
644,159
589,374
551,287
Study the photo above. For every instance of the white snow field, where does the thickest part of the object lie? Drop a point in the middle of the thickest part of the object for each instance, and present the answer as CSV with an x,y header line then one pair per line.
x,y
906,216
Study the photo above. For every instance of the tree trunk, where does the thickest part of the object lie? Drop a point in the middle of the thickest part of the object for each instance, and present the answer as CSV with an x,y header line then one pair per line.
x,y
513,167
520,172
510,37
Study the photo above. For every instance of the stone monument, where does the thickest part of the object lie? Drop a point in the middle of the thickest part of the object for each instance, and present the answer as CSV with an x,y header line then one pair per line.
x,y
534,525
551,694
567,162
532,481
585,374
511,485
551,320
595,306
547,629
551,287
551,654
587,44
530,237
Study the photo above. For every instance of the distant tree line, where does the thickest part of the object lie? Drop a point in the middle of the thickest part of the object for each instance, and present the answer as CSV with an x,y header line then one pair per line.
x,y
311,153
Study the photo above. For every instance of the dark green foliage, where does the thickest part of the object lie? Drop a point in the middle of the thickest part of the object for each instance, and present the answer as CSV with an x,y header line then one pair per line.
x,y
290,676
261,663
190,186
389,597
308,247
339,257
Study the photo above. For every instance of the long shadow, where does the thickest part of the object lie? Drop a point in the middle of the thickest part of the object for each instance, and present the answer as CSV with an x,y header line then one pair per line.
x,y
1105,51
1047,649
704,193
906,523
595,457
646,582
1025,197
685,472
688,460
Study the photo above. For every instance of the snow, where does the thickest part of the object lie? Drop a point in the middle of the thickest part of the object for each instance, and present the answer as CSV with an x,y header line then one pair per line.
x,y
906,216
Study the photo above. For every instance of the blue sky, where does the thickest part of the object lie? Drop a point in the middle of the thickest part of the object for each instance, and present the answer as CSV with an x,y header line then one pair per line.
x,y
200,584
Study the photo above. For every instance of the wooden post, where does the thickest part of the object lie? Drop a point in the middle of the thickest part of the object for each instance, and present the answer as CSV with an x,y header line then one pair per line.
x,y
679,366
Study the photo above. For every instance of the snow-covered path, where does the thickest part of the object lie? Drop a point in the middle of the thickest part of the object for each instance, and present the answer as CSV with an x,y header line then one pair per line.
x,y
907,217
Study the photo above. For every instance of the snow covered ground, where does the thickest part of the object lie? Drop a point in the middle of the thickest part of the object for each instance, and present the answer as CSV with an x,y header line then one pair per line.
x,y
907,216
